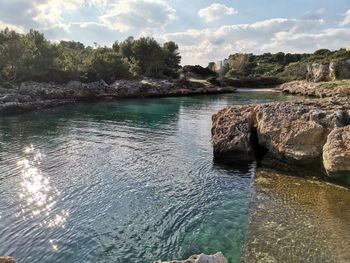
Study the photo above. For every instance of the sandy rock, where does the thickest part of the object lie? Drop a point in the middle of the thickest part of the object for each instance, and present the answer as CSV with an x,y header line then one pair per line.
x,y
290,135
295,131
336,152
202,258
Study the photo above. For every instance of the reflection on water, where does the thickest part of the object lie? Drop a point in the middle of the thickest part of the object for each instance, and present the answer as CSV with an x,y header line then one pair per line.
x,y
127,181
37,194
297,220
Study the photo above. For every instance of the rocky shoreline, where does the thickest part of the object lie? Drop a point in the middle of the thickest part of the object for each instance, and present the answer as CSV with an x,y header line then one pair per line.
x,y
317,89
32,96
311,136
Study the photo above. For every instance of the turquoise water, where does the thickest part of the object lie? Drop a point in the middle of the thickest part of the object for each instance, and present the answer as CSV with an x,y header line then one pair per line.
x,y
122,181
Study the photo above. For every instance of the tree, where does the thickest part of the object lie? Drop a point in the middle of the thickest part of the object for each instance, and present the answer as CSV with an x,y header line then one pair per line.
x,y
107,64
125,48
172,59
211,66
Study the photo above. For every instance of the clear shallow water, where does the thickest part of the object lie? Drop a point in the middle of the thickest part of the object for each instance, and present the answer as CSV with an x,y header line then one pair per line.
x,y
122,181
297,220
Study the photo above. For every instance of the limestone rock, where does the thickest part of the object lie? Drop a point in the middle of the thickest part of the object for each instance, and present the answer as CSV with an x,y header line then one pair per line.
x,y
232,133
202,258
318,72
7,260
335,70
339,69
291,135
293,131
336,152
320,89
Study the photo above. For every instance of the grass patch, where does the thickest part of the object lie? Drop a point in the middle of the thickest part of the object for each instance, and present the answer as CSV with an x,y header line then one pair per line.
x,y
335,84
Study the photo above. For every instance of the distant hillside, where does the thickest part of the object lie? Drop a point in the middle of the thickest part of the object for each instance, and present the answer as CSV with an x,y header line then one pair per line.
x,y
285,66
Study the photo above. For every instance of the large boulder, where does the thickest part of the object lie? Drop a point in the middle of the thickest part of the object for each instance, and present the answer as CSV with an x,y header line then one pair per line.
x,y
295,131
202,258
232,134
336,153
287,135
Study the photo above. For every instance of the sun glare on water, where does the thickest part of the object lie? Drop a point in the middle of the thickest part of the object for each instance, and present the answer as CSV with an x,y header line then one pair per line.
x,y
38,196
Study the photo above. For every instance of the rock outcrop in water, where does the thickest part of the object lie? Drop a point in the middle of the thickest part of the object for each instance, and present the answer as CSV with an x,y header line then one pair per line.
x,y
289,135
336,152
32,95
202,258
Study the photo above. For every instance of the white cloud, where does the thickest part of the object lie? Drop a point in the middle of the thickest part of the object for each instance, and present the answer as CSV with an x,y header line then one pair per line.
x,y
346,20
18,29
43,14
273,35
138,15
215,11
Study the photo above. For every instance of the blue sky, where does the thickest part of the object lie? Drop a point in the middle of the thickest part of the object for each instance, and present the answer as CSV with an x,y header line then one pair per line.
x,y
205,30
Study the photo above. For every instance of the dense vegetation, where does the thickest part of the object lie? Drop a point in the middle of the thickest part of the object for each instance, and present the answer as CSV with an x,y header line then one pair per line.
x,y
32,57
286,66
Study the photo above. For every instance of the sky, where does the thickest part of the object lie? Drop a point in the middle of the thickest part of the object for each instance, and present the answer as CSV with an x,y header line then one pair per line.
x,y
204,30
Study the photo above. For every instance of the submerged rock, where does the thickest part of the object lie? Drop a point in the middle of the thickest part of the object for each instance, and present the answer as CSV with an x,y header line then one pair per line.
x,y
295,220
291,135
202,258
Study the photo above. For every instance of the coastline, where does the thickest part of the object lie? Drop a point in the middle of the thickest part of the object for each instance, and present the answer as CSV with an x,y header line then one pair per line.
x,y
31,96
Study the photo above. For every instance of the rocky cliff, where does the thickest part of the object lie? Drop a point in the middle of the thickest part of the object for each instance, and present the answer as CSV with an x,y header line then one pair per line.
x,y
292,136
334,70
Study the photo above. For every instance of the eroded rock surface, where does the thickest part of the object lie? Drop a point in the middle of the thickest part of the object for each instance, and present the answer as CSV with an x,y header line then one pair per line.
x,y
336,153
334,70
293,134
232,133
202,258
